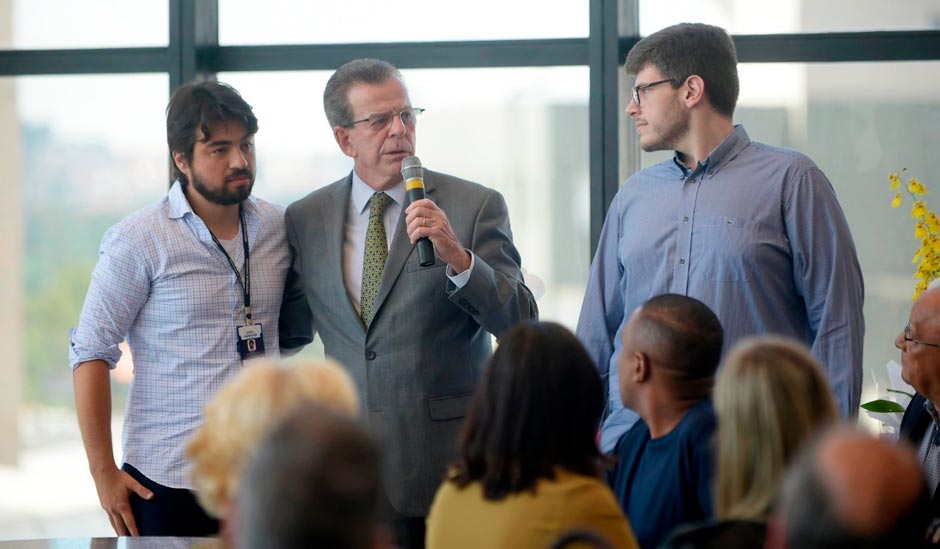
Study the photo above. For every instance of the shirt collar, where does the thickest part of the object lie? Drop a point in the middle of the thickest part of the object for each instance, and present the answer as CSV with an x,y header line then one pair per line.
x,y
179,205
362,193
723,153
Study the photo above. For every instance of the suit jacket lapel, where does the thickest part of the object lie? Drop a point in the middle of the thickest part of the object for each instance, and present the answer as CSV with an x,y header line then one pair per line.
x,y
400,251
333,215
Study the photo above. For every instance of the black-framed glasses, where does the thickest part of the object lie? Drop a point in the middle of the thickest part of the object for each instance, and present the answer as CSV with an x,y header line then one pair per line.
x,y
637,89
377,122
909,339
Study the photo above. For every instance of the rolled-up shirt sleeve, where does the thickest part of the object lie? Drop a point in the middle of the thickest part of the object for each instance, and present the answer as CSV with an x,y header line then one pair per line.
x,y
120,285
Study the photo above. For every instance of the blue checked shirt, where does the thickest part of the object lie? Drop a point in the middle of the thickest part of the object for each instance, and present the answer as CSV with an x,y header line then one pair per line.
x,y
756,233
165,286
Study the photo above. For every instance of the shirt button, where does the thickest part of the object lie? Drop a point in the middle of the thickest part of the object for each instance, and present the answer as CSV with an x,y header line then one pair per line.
x,y
682,262
370,355
692,180
685,219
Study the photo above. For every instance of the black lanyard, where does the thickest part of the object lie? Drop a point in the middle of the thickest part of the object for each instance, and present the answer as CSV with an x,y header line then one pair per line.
x,y
246,285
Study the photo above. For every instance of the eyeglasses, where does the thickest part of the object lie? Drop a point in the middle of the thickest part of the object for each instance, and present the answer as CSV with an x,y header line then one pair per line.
x,y
637,89
377,122
909,339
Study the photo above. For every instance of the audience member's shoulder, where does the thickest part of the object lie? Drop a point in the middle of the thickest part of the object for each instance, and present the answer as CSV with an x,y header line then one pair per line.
x,y
726,534
635,436
700,421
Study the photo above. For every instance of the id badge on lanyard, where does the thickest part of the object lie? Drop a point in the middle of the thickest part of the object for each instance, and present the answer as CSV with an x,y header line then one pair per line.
x,y
250,337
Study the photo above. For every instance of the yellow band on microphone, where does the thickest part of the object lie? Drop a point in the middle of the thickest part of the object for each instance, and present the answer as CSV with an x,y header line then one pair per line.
x,y
414,183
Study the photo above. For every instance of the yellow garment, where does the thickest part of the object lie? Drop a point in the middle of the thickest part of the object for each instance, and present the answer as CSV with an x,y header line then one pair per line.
x,y
461,517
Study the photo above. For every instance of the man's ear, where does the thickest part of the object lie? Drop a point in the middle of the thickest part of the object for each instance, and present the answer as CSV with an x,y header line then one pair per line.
x,y
341,135
694,90
640,369
182,164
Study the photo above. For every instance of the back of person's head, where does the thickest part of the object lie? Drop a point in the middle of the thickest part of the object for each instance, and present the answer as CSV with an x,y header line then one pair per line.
x,y
200,107
314,482
852,490
244,409
683,339
771,397
357,71
687,49
536,408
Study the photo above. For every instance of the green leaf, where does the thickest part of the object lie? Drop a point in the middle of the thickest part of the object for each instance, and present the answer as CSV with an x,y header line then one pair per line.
x,y
883,406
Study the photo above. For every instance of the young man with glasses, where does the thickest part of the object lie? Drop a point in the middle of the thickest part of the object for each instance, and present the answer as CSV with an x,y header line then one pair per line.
x,y
753,231
920,366
414,337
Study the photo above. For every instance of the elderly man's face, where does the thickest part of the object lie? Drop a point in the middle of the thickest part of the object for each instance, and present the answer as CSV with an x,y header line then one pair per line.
x,y
920,346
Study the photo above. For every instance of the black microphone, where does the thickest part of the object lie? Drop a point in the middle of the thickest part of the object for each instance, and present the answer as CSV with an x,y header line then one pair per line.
x,y
413,174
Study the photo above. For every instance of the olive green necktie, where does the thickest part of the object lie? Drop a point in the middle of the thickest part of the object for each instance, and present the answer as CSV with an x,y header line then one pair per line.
x,y
373,259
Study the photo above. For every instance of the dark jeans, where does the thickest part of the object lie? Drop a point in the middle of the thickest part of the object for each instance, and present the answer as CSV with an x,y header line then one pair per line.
x,y
171,511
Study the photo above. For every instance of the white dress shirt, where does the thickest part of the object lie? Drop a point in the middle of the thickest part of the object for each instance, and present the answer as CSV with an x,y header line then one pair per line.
x,y
357,223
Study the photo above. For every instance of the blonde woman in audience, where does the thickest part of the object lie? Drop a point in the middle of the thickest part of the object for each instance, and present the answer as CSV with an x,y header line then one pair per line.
x,y
529,466
771,398
241,414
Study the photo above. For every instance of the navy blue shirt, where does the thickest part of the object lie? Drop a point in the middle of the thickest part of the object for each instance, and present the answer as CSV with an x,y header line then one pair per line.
x,y
666,482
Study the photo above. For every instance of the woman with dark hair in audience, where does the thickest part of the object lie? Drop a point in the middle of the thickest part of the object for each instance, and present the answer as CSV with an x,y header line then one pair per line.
x,y
771,398
529,466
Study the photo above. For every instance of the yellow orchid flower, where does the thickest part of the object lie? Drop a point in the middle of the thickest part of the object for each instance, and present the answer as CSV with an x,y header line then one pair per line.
x,y
916,187
919,209
897,200
895,180
920,230
933,222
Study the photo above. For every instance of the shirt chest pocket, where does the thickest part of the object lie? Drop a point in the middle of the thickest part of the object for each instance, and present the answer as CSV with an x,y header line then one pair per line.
x,y
725,249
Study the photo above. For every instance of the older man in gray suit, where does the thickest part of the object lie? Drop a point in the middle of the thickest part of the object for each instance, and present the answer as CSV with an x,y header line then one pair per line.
x,y
414,337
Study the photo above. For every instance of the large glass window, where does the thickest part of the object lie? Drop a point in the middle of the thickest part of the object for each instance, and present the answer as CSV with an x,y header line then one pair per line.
x,y
45,24
90,150
521,131
353,21
790,16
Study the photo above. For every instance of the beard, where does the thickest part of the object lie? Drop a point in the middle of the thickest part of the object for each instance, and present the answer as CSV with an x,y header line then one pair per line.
x,y
673,128
224,196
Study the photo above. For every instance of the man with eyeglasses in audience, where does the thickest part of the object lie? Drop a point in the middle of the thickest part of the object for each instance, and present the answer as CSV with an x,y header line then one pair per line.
x,y
414,337
920,366
753,231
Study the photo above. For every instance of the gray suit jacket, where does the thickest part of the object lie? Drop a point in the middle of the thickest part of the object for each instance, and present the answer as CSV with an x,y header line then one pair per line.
x,y
418,363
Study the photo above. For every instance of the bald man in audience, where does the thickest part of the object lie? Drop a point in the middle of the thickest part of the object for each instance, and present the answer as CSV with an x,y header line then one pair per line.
x,y
671,350
920,366
850,489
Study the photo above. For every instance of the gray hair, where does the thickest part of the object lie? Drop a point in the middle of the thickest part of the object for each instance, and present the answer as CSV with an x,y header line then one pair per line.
x,y
357,71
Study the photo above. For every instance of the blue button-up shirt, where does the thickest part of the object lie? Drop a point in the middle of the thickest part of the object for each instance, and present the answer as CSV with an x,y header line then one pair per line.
x,y
164,285
756,233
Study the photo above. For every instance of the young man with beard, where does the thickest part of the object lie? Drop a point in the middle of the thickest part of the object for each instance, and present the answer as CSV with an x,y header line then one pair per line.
x,y
753,231
194,284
